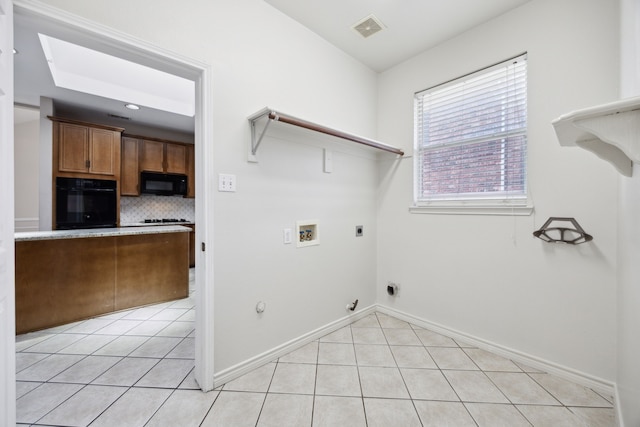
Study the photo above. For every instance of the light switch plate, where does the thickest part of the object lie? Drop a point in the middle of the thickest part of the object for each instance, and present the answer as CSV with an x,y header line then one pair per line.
x,y
327,166
286,236
226,182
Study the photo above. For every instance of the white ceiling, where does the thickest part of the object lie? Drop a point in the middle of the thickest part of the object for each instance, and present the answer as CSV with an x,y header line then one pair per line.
x,y
33,80
412,26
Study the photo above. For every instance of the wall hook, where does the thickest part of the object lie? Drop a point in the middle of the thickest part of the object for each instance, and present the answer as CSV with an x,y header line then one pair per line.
x,y
565,234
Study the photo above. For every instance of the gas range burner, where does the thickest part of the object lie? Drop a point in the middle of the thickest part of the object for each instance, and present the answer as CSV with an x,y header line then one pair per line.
x,y
157,220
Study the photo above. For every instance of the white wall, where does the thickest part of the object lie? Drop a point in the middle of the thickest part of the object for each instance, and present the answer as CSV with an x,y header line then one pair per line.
x,y
486,276
260,57
26,158
45,169
628,378
482,275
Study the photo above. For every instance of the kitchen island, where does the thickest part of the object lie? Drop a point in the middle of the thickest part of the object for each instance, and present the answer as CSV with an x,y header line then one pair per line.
x,y
63,276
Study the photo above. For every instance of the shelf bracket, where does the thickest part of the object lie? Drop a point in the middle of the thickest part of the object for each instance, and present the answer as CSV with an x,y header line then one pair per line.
x,y
256,143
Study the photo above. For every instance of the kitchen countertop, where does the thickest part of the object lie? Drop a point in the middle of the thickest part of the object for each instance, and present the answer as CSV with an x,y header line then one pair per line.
x,y
99,232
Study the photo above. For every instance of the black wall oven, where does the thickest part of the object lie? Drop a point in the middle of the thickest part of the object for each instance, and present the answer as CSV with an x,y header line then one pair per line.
x,y
85,203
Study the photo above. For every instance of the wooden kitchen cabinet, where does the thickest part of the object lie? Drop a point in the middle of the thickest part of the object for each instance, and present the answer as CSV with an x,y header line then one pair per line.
x,y
86,149
163,157
130,172
103,274
191,172
192,245
176,158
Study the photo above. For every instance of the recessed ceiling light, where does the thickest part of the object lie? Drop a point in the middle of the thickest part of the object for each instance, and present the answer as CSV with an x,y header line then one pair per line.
x,y
132,106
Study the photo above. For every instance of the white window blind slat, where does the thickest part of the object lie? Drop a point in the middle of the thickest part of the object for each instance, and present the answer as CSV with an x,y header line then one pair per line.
x,y
471,138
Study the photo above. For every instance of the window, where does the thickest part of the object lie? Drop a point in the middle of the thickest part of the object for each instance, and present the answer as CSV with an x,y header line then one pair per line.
x,y
471,139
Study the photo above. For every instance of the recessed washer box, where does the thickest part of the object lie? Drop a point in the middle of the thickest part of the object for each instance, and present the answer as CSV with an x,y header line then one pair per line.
x,y
307,233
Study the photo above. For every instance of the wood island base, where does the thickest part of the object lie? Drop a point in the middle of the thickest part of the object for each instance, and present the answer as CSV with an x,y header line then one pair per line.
x,y
65,280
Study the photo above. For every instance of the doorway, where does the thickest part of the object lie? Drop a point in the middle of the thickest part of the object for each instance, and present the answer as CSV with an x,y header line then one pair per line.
x,y
125,47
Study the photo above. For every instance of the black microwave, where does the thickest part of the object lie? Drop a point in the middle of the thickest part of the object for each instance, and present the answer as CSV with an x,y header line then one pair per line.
x,y
163,184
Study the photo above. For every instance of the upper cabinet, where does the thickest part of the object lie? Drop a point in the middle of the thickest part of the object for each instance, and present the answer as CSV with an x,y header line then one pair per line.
x,y
163,157
146,154
130,172
85,148
191,172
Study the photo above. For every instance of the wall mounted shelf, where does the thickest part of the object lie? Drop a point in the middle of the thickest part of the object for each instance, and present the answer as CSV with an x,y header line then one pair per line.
x,y
611,131
268,115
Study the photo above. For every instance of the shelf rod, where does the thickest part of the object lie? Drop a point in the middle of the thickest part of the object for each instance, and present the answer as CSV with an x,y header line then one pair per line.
x,y
284,118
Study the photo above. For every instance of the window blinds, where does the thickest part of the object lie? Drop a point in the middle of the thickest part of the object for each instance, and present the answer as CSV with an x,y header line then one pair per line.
x,y
471,140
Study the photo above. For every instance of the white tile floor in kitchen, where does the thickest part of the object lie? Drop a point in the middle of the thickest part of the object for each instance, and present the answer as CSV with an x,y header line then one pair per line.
x,y
134,368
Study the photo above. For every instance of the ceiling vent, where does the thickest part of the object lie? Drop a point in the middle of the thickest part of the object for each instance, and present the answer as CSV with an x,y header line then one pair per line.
x,y
115,116
368,26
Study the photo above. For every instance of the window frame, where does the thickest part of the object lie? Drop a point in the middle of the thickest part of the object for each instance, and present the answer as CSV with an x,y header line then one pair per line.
x,y
475,203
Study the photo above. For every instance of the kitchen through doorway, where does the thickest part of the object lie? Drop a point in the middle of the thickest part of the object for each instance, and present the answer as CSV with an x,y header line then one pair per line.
x,y
117,44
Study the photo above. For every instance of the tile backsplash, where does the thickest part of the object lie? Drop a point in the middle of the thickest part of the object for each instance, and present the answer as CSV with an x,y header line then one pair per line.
x,y
147,206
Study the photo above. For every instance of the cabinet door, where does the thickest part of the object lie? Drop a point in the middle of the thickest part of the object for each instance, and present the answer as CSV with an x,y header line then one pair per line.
x,y
129,174
103,150
176,158
192,246
152,156
191,172
73,148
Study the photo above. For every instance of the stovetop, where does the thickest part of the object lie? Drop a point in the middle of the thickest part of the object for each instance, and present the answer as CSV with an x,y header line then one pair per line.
x,y
162,220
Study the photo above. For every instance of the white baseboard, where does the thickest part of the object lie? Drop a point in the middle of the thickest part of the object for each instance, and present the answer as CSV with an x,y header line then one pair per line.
x,y
26,224
248,365
597,384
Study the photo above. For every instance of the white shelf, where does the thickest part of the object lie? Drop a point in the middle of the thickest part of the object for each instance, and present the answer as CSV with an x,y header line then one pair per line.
x,y
611,131
269,115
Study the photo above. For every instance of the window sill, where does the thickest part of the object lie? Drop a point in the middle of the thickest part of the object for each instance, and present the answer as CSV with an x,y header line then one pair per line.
x,y
473,208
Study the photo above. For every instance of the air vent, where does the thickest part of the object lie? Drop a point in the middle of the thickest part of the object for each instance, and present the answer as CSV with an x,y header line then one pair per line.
x,y
115,116
368,26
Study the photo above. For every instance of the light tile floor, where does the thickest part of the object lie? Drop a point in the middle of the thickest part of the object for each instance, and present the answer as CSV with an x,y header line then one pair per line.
x,y
135,368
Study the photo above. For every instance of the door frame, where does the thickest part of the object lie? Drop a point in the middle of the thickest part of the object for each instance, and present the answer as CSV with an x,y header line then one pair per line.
x,y
150,55
7,245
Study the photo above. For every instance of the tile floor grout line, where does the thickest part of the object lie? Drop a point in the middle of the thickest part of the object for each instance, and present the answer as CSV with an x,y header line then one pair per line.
x,y
266,393
353,343
404,381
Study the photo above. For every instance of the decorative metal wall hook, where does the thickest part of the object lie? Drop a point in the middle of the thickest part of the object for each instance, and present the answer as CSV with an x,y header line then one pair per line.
x,y
555,234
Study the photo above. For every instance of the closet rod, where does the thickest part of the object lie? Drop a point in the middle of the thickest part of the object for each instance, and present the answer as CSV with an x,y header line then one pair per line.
x,y
284,118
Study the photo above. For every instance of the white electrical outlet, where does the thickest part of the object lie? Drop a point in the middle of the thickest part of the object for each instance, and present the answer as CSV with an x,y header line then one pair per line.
x,y
286,236
226,182
328,161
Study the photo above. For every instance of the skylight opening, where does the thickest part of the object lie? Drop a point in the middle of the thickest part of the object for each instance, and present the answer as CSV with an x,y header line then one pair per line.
x,y
85,70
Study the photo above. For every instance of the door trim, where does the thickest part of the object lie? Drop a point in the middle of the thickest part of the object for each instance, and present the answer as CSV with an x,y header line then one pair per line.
x,y
7,245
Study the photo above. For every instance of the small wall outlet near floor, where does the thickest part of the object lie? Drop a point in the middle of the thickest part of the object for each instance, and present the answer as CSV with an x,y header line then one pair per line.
x,y
359,230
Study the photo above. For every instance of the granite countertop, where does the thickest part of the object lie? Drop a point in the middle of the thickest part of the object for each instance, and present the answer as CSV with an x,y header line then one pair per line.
x,y
98,232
